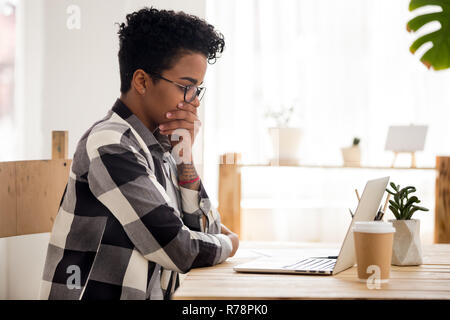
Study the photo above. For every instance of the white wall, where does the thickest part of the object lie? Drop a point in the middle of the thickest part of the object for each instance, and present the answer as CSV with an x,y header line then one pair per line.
x,y
3,270
66,80
28,84
21,265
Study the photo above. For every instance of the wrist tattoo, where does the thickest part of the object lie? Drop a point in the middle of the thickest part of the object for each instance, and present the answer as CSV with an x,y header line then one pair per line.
x,y
187,172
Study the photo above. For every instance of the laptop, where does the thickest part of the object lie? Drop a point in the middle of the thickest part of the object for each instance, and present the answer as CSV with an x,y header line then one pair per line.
x,y
328,265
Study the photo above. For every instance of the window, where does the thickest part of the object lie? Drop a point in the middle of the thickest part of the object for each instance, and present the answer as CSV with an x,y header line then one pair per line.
x,y
347,69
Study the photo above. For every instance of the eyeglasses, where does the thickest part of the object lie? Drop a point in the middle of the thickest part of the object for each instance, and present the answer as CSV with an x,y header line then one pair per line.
x,y
190,92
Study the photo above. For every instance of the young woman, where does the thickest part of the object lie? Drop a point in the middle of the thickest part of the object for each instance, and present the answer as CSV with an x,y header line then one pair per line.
x,y
134,213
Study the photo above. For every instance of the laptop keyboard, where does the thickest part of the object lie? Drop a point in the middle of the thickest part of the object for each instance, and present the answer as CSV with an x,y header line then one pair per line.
x,y
315,265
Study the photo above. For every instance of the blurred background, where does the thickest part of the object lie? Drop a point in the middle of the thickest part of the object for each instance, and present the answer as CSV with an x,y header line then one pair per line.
x,y
333,70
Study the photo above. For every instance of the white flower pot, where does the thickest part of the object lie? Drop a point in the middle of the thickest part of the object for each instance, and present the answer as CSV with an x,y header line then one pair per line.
x,y
352,156
286,145
407,247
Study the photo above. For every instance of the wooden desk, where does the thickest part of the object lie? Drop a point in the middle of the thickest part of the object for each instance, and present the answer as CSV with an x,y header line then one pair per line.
x,y
428,281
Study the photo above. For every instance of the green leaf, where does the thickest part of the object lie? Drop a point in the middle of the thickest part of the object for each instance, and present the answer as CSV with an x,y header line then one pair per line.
x,y
395,212
398,202
405,189
411,201
401,194
438,56
421,208
395,205
419,21
409,204
391,192
411,212
414,209
415,4
394,186
397,197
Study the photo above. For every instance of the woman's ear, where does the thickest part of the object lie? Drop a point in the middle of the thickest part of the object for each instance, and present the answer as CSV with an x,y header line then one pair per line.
x,y
140,81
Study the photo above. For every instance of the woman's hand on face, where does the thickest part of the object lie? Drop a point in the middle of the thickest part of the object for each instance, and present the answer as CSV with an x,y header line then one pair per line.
x,y
184,117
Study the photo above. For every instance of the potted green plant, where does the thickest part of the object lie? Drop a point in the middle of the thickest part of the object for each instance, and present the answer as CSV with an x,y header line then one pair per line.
x,y
285,139
352,154
437,57
407,247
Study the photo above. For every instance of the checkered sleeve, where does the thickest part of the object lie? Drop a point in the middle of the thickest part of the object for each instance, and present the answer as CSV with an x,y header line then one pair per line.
x,y
121,179
196,204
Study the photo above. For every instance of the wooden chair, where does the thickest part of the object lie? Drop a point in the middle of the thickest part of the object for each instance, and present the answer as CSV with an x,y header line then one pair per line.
x,y
30,191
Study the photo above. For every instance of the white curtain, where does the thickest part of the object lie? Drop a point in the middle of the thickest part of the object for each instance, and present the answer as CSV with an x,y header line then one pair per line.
x,y
344,65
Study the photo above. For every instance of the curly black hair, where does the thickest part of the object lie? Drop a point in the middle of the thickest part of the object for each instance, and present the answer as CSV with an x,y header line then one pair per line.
x,y
152,40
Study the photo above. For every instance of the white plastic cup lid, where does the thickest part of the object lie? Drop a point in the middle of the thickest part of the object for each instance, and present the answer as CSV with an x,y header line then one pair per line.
x,y
373,227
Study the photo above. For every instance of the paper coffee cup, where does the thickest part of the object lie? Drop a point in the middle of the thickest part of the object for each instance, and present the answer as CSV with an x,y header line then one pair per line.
x,y
373,248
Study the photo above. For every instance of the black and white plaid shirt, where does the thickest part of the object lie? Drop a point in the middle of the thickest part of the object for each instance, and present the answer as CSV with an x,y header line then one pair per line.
x,y
125,228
